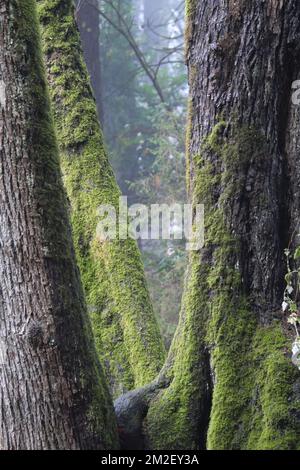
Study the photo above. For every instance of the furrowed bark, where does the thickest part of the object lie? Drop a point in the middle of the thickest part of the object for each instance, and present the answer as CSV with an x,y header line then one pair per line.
x,y
52,389
126,330
233,343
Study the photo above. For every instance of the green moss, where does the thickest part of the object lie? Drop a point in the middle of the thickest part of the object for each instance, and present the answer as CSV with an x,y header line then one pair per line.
x,y
190,10
214,141
108,332
277,380
256,389
126,330
252,399
172,419
253,403
190,7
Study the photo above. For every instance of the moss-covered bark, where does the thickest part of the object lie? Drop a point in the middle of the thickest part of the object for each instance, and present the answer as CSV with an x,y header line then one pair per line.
x,y
126,330
255,395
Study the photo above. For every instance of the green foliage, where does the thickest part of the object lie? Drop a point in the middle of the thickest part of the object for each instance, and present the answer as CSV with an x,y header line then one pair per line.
x,y
290,304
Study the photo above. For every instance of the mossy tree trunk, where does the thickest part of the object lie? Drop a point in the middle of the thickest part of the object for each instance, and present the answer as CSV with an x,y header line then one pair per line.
x,y
243,57
229,382
125,327
52,388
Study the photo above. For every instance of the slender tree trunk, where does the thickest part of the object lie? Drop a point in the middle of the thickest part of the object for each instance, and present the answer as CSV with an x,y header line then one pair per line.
x,y
126,330
233,343
52,389
88,20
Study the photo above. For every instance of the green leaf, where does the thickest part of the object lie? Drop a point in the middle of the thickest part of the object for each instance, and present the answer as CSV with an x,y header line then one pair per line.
x,y
297,253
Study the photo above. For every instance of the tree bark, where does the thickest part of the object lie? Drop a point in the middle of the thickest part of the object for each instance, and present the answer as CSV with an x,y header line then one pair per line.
x,y
88,20
125,327
242,60
52,389
233,343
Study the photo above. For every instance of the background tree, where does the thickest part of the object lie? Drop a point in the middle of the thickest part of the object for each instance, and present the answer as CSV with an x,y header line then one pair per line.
x,y
88,20
52,390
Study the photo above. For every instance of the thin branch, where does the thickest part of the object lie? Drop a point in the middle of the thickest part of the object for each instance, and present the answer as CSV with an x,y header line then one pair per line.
x,y
125,29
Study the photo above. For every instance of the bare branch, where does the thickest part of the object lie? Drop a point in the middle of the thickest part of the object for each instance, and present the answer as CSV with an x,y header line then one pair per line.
x,y
125,27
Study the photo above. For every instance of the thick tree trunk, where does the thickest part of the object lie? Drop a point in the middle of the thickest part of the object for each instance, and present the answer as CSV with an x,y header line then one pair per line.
x,y
88,20
52,389
126,330
233,343
242,60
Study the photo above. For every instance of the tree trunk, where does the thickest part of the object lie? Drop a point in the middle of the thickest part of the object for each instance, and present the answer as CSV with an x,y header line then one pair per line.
x,y
88,20
233,342
126,330
242,60
52,390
